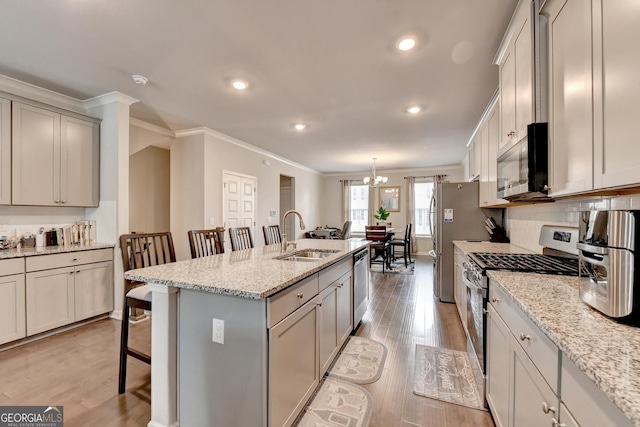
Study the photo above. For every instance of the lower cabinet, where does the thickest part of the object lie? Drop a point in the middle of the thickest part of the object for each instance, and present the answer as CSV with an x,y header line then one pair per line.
x,y
335,323
459,287
12,300
498,378
80,288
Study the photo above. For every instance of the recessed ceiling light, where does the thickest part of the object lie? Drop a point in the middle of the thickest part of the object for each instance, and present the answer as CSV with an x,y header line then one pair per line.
x,y
406,43
239,84
414,109
300,126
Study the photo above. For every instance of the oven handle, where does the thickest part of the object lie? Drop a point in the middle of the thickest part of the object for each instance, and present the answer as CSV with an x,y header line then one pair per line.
x,y
472,286
593,249
589,254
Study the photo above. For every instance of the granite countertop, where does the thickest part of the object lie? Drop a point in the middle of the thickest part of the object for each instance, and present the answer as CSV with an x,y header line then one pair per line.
x,y
496,248
606,351
50,250
250,273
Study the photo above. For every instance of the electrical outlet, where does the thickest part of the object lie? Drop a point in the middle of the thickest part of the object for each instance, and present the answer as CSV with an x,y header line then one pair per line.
x,y
212,221
218,331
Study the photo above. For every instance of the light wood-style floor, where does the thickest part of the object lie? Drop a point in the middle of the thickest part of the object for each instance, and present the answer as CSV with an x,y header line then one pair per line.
x,y
79,368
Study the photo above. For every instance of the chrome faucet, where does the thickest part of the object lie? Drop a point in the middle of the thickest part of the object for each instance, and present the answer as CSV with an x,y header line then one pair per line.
x,y
284,244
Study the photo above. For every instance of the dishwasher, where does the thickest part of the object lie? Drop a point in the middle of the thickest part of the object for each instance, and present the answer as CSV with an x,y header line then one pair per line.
x,y
360,285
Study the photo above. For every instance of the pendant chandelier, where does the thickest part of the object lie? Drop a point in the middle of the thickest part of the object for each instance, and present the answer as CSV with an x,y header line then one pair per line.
x,y
374,180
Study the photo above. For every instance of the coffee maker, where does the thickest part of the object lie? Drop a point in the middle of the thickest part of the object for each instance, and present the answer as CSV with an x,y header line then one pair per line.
x,y
608,271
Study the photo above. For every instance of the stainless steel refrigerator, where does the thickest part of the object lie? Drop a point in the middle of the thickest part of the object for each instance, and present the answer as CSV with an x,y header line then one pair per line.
x,y
456,216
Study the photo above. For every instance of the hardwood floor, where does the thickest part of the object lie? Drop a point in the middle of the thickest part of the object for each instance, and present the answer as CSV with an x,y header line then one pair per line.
x,y
79,368
402,313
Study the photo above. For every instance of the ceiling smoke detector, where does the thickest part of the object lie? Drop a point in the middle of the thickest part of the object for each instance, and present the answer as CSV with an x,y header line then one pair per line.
x,y
140,80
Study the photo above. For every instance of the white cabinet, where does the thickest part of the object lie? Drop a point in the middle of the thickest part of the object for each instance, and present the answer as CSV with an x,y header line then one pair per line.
x,y
515,61
293,363
593,47
497,363
475,158
55,158
459,287
336,318
489,135
64,288
5,152
533,401
12,300
570,96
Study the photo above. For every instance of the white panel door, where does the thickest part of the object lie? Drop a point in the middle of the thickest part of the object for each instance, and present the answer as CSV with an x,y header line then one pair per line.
x,y
239,201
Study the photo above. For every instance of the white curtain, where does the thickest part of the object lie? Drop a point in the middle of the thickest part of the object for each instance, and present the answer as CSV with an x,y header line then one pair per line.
x,y
411,211
346,200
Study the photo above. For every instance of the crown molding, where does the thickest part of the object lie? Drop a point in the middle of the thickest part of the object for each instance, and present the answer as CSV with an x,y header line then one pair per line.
x,y
231,140
151,127
36,93
109,98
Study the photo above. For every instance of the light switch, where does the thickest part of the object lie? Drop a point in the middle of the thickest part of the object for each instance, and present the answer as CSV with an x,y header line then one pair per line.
x,y
218,331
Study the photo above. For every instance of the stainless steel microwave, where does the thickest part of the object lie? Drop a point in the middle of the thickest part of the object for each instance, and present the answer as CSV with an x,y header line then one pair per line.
x,y
523,167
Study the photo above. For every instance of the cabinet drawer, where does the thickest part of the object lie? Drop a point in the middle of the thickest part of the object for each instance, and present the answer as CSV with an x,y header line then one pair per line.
x,y
46,262
288,300
334,272
11,266
501,303
543,353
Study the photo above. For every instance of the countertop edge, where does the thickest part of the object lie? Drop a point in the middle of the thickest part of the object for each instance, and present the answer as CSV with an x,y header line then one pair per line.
x,y
51,250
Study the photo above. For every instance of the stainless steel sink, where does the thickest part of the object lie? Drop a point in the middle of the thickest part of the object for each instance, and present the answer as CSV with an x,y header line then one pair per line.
x,y
307,255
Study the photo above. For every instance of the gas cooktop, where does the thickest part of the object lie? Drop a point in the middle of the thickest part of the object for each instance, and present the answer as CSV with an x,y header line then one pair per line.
x,y
531,263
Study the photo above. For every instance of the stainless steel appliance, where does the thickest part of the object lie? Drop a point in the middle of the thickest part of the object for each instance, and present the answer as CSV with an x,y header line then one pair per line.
x,y
360,285
455,215
523,166
559,257
607,253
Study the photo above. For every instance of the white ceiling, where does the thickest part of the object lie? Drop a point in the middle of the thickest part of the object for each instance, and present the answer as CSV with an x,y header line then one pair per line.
x,y
328,63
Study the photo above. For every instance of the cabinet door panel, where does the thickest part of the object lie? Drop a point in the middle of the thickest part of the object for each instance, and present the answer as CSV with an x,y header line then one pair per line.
x,y
5,152
507,99
498,338
617,153
293,364
93,290
79,162
345,308
523,51
328,333
12,308
35,156
530,391
50,299
570,132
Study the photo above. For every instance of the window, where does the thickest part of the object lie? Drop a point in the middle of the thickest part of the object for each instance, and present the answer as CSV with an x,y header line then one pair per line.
x,y
422,192
359,207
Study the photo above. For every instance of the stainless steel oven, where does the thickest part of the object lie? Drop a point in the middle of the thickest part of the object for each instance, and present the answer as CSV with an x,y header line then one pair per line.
x,y
476,283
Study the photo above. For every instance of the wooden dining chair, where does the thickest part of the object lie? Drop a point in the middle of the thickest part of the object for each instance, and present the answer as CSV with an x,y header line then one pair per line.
x,y
379,246
206,242
405,244
139,250
271,234
241,238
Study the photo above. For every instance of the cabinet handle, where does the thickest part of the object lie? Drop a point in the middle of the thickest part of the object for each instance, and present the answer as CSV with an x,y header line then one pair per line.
x,y
300,295
319,304
56,201
524,337
64,201
494,299
485,311
71,272
339,285
546,408
75,259
555,423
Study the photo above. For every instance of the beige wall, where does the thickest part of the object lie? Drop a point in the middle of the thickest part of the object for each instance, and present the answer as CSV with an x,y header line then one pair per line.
x,y
149,181
198,159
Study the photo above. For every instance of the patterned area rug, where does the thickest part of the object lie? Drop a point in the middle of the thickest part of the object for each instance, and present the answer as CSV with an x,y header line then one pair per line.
x,y
446,375
397,267
338,404
360,362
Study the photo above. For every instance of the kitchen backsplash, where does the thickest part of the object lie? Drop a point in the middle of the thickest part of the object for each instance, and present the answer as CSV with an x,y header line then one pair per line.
x,y
523,223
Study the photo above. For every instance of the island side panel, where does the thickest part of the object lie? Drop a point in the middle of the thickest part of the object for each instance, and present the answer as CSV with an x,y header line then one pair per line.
x,y
222,384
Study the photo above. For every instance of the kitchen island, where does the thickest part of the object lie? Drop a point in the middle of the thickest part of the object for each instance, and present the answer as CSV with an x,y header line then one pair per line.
x,y
243,338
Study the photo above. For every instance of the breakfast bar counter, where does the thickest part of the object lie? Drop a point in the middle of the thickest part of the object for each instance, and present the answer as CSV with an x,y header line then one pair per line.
x,y
240,338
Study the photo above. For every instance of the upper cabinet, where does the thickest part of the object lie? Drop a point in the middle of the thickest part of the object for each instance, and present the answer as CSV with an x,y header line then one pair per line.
x,y
515,62
592,90
490,137
55,158
5,151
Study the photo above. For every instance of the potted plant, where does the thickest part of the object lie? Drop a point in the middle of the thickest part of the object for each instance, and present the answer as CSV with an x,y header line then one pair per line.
x,y
382,214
